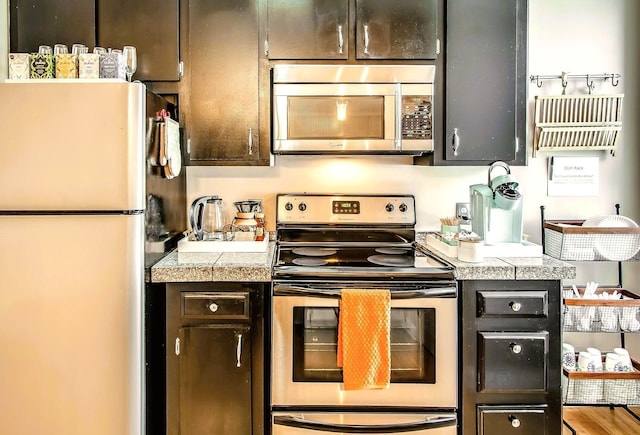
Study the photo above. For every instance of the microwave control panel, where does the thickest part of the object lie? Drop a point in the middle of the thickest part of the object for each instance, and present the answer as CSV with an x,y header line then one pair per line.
x,y
416,117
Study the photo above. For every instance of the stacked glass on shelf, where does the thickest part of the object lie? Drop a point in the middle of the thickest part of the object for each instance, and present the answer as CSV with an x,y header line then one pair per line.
x,y
58,63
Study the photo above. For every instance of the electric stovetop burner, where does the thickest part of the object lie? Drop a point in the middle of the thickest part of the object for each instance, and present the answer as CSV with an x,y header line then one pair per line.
x,y
364,236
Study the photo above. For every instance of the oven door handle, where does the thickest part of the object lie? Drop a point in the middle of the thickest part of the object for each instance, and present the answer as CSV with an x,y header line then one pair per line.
x,y
302,423
337,293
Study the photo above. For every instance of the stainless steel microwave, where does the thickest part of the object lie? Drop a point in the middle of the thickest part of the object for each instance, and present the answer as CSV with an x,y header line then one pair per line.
x,y
352,109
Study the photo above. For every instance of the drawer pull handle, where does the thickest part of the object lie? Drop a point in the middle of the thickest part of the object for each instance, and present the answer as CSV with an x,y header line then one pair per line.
x,y
515,421
515,306
515,348
213,307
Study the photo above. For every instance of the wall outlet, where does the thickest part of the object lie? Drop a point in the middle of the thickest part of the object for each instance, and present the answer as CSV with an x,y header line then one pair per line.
x,y
463,211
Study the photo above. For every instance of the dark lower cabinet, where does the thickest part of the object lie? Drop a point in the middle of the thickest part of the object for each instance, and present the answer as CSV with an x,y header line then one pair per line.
x,y
215,359
510,355
215,380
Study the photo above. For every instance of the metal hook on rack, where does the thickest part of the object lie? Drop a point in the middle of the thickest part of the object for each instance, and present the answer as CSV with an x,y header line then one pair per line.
x,y
590,85
565,82
538,81
614,79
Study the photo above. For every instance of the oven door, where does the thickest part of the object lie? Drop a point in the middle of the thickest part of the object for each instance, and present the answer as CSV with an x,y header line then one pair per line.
x,y
312,423
423,348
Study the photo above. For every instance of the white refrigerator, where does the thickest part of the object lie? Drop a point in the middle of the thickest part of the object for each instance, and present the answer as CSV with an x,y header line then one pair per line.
x,y
72,200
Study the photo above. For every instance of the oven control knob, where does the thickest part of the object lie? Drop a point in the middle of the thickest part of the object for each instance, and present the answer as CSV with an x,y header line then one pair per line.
x,y
288,206
403,207
302,206
389,207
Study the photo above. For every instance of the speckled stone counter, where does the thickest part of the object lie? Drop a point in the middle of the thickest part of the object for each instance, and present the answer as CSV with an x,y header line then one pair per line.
x,y
518,268
256,267
215,266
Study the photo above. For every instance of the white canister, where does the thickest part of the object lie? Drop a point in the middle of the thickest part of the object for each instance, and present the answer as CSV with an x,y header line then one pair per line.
x,y
471,251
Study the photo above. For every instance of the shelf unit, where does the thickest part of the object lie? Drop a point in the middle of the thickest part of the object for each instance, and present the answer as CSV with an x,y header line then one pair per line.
x,y
570,241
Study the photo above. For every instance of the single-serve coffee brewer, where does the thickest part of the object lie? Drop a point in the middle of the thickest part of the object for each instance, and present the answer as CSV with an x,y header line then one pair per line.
x,y
496,208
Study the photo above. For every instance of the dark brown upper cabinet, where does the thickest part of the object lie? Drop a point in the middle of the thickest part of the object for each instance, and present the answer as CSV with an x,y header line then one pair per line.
x,y
227,121
399,29
308,29
352,29
49,22
149,25
485,82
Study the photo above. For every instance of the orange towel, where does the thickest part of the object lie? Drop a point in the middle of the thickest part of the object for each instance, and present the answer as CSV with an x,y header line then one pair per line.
x,y
364,344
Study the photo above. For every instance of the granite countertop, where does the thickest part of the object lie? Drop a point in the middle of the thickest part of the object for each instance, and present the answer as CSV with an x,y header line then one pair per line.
x,y
256,267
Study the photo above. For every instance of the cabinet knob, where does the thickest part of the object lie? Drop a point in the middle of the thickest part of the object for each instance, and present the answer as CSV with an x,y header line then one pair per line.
x,y
515,348
515,421
515,306
213,307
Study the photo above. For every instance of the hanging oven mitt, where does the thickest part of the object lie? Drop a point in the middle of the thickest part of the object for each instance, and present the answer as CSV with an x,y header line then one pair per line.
x,y
364,344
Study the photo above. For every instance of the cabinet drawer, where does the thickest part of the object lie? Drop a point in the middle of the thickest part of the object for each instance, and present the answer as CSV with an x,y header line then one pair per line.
x,y
215,305
508,420
512,303
511,362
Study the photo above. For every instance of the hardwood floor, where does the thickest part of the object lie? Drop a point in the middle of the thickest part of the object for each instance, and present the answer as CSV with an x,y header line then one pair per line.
x,y
587,420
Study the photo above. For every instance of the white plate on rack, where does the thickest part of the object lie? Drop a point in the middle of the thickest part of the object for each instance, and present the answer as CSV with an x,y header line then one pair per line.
x,y
615,247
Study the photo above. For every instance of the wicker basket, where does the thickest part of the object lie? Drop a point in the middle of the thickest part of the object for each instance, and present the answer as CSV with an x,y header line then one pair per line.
x,y
570,241
601,388
601,315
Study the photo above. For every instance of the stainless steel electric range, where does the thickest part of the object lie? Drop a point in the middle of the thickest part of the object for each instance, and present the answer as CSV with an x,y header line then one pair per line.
x,y
328,243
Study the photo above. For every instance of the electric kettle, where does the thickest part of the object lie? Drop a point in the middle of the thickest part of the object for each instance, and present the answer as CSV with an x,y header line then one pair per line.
x,y
207,218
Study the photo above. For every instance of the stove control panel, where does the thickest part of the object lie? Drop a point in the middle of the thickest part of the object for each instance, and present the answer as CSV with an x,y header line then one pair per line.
x,y
347,209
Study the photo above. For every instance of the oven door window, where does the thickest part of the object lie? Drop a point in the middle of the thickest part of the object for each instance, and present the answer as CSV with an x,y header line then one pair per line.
x,y
315,338
330,117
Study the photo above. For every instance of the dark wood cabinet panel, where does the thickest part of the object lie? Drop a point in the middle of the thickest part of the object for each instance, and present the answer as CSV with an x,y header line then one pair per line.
x,y
402,29
152,26
329,29
215,381
49,22
485,82
224,67
308,29
511,361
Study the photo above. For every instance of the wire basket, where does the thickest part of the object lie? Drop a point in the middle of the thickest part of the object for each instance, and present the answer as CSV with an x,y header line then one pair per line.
x,y
601,315
570,241
601,388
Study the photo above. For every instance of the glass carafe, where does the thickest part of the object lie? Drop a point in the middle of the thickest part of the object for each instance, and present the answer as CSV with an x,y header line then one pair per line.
x,y
213,221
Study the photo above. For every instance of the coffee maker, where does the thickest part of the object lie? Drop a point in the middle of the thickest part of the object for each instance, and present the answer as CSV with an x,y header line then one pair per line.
x,y
496,208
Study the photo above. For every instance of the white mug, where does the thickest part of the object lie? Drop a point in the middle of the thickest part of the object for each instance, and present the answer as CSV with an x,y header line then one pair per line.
x,y
612,363
568,356
597,357
625,359
586,362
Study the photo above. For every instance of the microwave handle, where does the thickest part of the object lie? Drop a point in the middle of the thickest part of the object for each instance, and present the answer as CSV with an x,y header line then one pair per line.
x,y
302,423
398,136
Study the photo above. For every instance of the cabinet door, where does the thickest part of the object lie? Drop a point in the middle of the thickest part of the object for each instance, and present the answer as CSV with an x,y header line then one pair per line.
x,y
149,25
215,380
50,22
308,29
400,29
485,81
223,116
